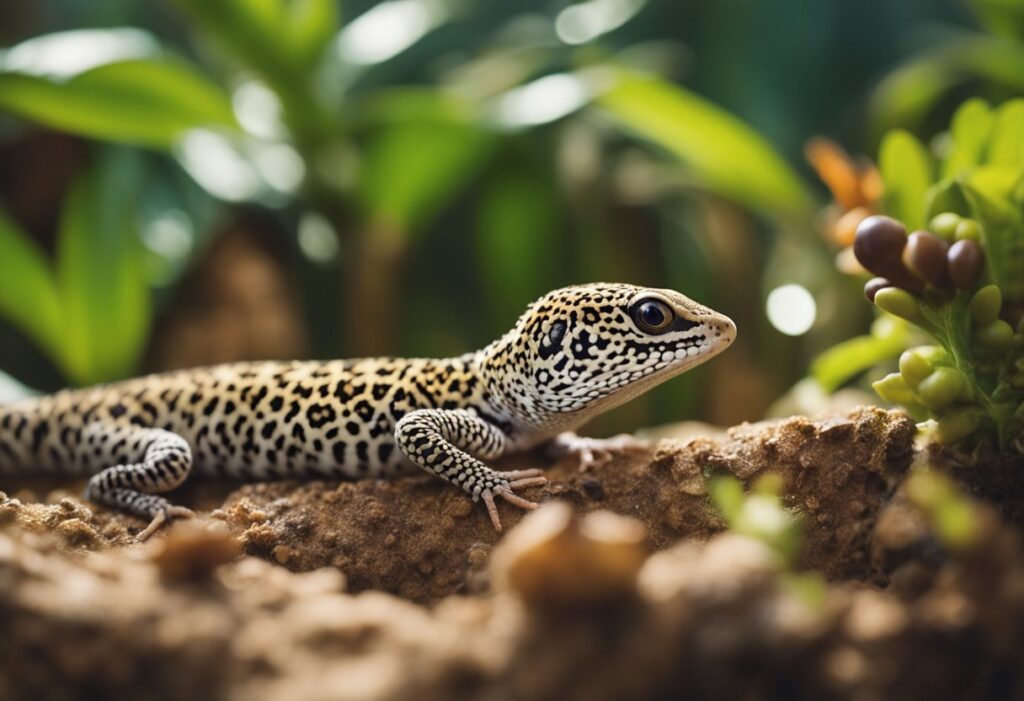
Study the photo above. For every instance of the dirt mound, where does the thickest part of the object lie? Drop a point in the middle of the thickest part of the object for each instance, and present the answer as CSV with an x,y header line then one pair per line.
x,y
622,588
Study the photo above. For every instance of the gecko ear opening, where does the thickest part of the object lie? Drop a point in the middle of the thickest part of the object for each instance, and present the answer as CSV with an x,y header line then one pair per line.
x,y
551,342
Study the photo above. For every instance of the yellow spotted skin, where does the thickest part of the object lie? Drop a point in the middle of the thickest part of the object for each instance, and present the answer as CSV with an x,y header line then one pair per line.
x,y
574,353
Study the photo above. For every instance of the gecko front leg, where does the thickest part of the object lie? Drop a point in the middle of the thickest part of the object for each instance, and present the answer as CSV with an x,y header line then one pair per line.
x,y
438,440
145,460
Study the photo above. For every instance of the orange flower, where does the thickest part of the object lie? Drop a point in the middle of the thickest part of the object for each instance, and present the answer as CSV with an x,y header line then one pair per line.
x,y
856,187
853,183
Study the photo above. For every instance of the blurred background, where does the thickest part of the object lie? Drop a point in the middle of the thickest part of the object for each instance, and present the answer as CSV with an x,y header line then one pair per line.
x,y
185,182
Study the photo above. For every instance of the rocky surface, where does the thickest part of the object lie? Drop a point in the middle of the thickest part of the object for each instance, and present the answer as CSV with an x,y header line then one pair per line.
x,y
622,587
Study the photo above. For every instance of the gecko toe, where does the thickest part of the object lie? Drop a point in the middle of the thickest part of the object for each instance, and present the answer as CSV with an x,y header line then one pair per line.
x,y
163,517
492,510
522,474
528,482
513,498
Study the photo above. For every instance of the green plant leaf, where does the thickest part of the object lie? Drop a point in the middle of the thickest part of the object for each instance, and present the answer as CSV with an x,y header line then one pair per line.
x,y
278,38
1003,18
1003,238
100,271
723,152
946,196
308,28
28,293
844,361
410,171
143,102
518,240
909,93
410,104
907,173
969,130
1006,147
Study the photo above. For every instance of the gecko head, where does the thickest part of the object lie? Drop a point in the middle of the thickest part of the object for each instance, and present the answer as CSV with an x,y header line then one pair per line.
x,y
580,350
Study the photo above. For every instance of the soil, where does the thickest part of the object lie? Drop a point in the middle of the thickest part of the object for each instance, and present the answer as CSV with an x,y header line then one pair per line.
x,y
624,584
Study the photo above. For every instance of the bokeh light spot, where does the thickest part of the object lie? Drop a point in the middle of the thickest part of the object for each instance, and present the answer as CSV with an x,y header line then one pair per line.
x,y
791,309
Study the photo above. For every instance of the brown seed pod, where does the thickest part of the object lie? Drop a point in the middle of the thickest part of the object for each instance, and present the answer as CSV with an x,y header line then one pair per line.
x,y
879,248
925,256
966,262
879,240
872,287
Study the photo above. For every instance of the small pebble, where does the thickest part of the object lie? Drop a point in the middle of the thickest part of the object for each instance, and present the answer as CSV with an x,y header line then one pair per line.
x,y
593,489
192,550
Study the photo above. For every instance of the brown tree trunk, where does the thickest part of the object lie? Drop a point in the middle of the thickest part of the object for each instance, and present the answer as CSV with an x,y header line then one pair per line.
x,y
371,267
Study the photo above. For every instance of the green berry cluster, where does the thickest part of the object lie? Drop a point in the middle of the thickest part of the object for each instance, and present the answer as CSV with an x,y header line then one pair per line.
x,y
972,380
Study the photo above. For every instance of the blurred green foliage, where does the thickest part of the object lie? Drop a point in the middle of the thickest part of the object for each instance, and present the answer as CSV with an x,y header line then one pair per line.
x,y
460,159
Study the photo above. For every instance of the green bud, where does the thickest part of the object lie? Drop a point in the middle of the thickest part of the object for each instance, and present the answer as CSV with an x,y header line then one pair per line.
x,y
969,230
941,388
936,355
945,224
899,302
996,336
914,368
894,389
985,305
957,424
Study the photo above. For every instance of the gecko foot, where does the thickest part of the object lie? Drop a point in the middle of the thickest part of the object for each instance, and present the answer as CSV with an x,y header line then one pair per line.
x,y
506,493
593,452
163,517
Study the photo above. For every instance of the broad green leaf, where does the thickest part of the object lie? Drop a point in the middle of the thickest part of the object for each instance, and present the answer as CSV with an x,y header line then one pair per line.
x,y
969,130
309,26
410,171
100,271
946,196
405,104
996,181
146,102
1003,18
907,173
844,361
723,152
518,240
279,38
28,293
910,92
1003,238
1006,147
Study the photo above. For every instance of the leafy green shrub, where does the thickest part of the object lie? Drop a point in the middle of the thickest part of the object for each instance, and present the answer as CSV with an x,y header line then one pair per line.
x,y
958,277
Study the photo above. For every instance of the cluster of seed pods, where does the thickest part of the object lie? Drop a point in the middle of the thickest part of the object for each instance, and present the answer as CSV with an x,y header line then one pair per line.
x,y
948,257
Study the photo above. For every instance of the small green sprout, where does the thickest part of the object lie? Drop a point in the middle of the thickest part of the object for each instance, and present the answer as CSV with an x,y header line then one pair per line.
x,y
949,514
759,514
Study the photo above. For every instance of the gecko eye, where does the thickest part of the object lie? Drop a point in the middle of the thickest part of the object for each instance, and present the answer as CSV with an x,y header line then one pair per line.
x,y
653,316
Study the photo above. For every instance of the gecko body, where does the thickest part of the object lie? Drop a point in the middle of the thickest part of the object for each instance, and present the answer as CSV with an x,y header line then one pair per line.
x,y
573,354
